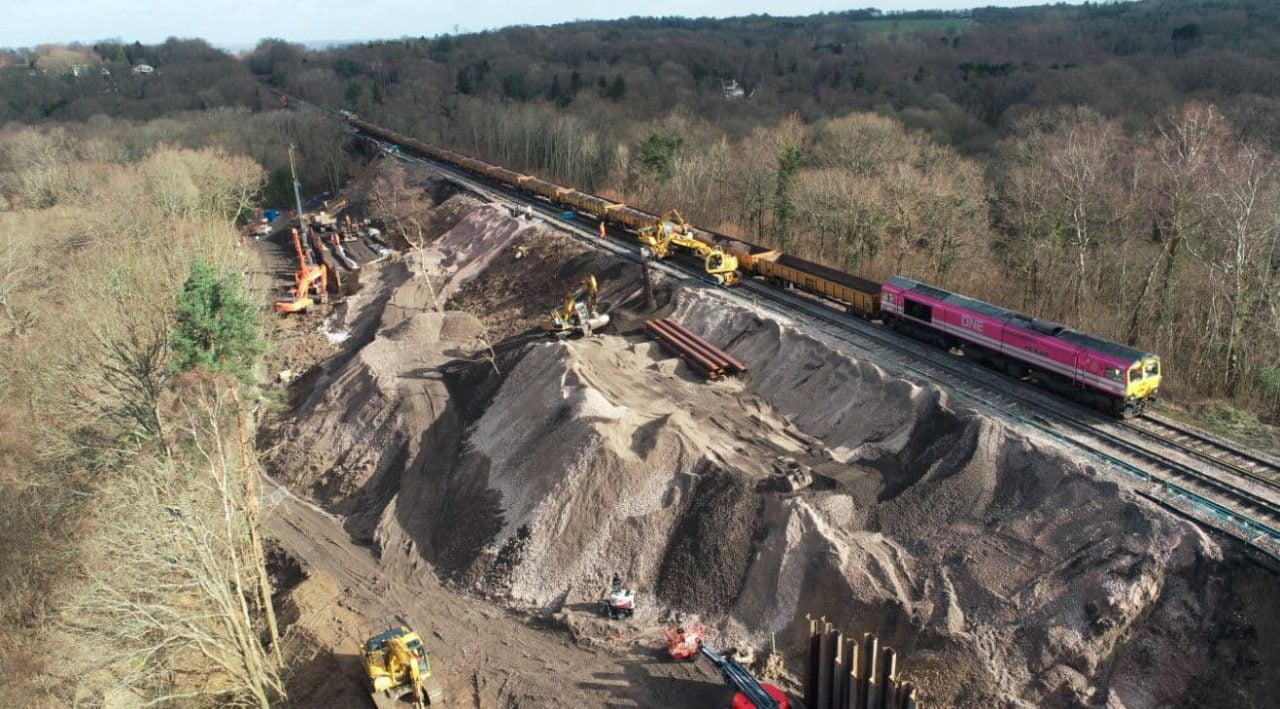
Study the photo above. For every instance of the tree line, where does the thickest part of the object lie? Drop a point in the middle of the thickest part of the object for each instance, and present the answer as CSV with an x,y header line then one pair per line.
x,y
128,479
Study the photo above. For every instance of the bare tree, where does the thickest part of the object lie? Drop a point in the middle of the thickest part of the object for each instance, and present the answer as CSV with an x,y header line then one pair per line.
x,y
1181,168
405,211
12,279
1073,180
169,576
1240,241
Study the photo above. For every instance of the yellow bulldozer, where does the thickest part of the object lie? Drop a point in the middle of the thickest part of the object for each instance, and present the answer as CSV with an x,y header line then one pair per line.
x,y
398,668
672,232
578,314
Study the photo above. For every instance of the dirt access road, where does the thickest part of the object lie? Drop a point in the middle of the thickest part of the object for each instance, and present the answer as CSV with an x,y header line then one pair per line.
x,y
483,655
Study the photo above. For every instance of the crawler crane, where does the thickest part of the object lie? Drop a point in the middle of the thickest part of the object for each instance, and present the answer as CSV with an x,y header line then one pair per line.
x,y
671,232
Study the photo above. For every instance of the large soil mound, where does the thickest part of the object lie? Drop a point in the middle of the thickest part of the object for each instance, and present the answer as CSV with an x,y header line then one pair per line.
x,y
1003,569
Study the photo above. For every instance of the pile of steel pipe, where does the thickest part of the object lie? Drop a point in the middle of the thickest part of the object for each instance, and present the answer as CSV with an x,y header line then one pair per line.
x,y
848,673
701,356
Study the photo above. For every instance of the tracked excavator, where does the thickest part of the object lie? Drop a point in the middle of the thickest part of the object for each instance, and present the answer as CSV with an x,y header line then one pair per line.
x,y
672,232
398,668
309,276
578,314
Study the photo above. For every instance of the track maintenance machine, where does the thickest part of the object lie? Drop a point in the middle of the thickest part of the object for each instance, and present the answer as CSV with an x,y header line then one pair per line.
x,y
578,314
686,642
673,232
398,668
308,276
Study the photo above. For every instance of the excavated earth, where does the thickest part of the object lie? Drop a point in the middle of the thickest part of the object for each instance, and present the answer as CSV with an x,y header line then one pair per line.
x,y
480,459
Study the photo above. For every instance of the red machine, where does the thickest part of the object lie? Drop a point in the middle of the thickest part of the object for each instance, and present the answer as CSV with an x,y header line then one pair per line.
x,y
685,643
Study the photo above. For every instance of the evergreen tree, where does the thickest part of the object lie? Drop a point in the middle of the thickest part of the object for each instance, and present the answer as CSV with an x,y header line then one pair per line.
x,y
556,94
513,86
784,209
464,85
657,154
353,93
618,89
216,329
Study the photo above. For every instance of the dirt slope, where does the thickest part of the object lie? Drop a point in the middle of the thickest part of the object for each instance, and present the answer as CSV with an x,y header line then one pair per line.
x,y
1004,571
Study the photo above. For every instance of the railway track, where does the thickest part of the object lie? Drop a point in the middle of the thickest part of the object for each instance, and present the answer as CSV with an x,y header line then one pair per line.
x,y
1246,464
1245,511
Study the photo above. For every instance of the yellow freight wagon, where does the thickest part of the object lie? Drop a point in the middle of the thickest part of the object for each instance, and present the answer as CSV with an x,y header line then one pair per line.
x,y
860,296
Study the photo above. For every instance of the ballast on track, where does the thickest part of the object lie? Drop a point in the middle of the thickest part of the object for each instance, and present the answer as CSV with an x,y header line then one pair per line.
x,y
701,356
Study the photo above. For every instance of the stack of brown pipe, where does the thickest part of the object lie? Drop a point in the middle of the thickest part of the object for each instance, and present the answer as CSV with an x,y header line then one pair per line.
x,y
702,357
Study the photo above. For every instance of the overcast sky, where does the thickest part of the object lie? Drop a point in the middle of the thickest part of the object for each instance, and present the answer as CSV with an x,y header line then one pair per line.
x,y
235,22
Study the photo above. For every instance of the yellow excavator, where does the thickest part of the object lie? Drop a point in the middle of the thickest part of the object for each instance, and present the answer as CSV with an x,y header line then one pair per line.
x,y
671,231
578,314
398,667
326,219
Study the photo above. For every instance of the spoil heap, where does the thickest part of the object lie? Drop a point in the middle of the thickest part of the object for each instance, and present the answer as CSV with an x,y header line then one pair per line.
x,y
1002,568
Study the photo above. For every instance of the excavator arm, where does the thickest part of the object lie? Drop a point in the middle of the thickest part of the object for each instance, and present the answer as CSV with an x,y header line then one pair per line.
x,y
398,668
403,662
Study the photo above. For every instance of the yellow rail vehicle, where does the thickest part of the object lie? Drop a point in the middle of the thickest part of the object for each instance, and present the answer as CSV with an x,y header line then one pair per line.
x,y
859,295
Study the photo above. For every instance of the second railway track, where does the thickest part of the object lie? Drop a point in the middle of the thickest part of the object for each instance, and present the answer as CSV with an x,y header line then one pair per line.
x,y
1249,465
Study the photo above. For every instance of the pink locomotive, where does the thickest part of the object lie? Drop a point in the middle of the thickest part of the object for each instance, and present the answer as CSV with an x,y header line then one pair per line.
x,y
1120,379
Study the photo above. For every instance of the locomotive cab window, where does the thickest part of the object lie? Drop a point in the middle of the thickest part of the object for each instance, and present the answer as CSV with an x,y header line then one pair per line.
x,y
917,310
1153,367
1135,374
1113,374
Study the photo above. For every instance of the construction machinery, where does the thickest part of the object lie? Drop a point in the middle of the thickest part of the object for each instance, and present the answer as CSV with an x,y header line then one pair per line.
x,y
578,314
671,232
308,277
621,602
398,668
686,643
326,219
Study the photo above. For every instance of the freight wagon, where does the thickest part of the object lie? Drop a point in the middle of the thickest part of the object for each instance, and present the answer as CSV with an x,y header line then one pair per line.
x,y
859,295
